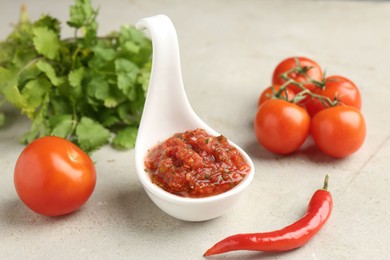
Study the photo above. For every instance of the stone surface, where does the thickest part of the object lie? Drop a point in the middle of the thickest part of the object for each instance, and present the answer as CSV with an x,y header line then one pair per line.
x,y
229,50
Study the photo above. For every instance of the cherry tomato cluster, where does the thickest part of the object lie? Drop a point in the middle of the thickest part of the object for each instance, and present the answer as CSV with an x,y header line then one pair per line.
x,y
301,102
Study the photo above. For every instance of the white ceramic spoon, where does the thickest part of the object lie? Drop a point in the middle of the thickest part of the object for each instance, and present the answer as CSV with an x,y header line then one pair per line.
x,y
166,112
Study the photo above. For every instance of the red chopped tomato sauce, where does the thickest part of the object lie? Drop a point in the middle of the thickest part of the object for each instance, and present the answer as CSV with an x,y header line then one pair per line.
x,y
196,164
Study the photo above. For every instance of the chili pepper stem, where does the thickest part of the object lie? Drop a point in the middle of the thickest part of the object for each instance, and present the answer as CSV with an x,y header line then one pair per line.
x,y
326,182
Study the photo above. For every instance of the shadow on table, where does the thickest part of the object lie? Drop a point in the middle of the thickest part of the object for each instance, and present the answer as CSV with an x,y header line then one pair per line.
x,y
308,151
251,255
137,212
14,213
121,206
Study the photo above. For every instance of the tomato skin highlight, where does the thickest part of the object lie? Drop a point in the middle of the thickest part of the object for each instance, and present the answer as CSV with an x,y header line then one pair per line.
x,y
314,72
53,176
339,87
268,94
338,131
280,126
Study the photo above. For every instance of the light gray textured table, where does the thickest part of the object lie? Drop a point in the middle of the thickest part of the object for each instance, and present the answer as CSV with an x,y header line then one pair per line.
x,y
229,49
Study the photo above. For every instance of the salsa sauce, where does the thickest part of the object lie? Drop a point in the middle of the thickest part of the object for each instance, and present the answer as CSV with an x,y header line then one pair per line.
x,y
195,164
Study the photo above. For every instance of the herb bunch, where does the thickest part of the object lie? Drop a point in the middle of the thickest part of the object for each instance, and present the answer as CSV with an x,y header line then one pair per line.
x,y
88,89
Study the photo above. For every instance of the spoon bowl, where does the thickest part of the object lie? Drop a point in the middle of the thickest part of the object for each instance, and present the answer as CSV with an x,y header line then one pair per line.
x,y
167,111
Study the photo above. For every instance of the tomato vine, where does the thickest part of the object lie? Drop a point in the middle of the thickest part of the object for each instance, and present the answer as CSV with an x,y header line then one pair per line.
x,y
300,81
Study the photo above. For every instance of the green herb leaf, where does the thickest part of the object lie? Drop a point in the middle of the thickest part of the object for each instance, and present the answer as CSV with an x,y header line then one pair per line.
x,y
28,73
104,53
46,42
75,77
2,119
61,125
33,93
98,88
80,12
9,88
127,77
50,23
39,125
50,72
125,139
90,134
77,17
85,88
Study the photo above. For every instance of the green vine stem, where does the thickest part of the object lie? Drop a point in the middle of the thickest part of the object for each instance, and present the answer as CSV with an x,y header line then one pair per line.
x,y
326,101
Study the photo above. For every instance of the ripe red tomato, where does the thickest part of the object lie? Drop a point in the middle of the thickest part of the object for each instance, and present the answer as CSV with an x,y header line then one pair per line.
x,y
53,176
269,92
336,87
280,126
338,131
314,71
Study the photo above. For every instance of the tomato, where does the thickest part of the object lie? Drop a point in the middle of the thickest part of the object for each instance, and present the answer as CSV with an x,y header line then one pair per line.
x,y
314,71
338,131
53,176
270,92
280,126
336,87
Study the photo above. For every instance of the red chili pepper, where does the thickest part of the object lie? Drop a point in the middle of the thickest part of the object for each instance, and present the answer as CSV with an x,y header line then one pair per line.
x,y
288,238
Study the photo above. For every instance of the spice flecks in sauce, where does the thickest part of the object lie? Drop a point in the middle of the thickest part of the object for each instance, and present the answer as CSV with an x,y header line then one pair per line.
x,y
196,164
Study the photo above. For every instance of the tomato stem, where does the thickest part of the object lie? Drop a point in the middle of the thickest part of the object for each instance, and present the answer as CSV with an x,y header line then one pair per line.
x,y
326,101
283,88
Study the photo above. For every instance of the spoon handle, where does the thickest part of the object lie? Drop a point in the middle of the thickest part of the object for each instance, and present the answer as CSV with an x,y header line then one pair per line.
x,y
166,98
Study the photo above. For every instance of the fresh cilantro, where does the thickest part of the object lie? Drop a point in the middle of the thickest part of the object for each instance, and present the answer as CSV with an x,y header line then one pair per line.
x,y
34,93
91,134
61,125
50,23
88,88
9,88
125,139
50,72
2,119
81,13
46,42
